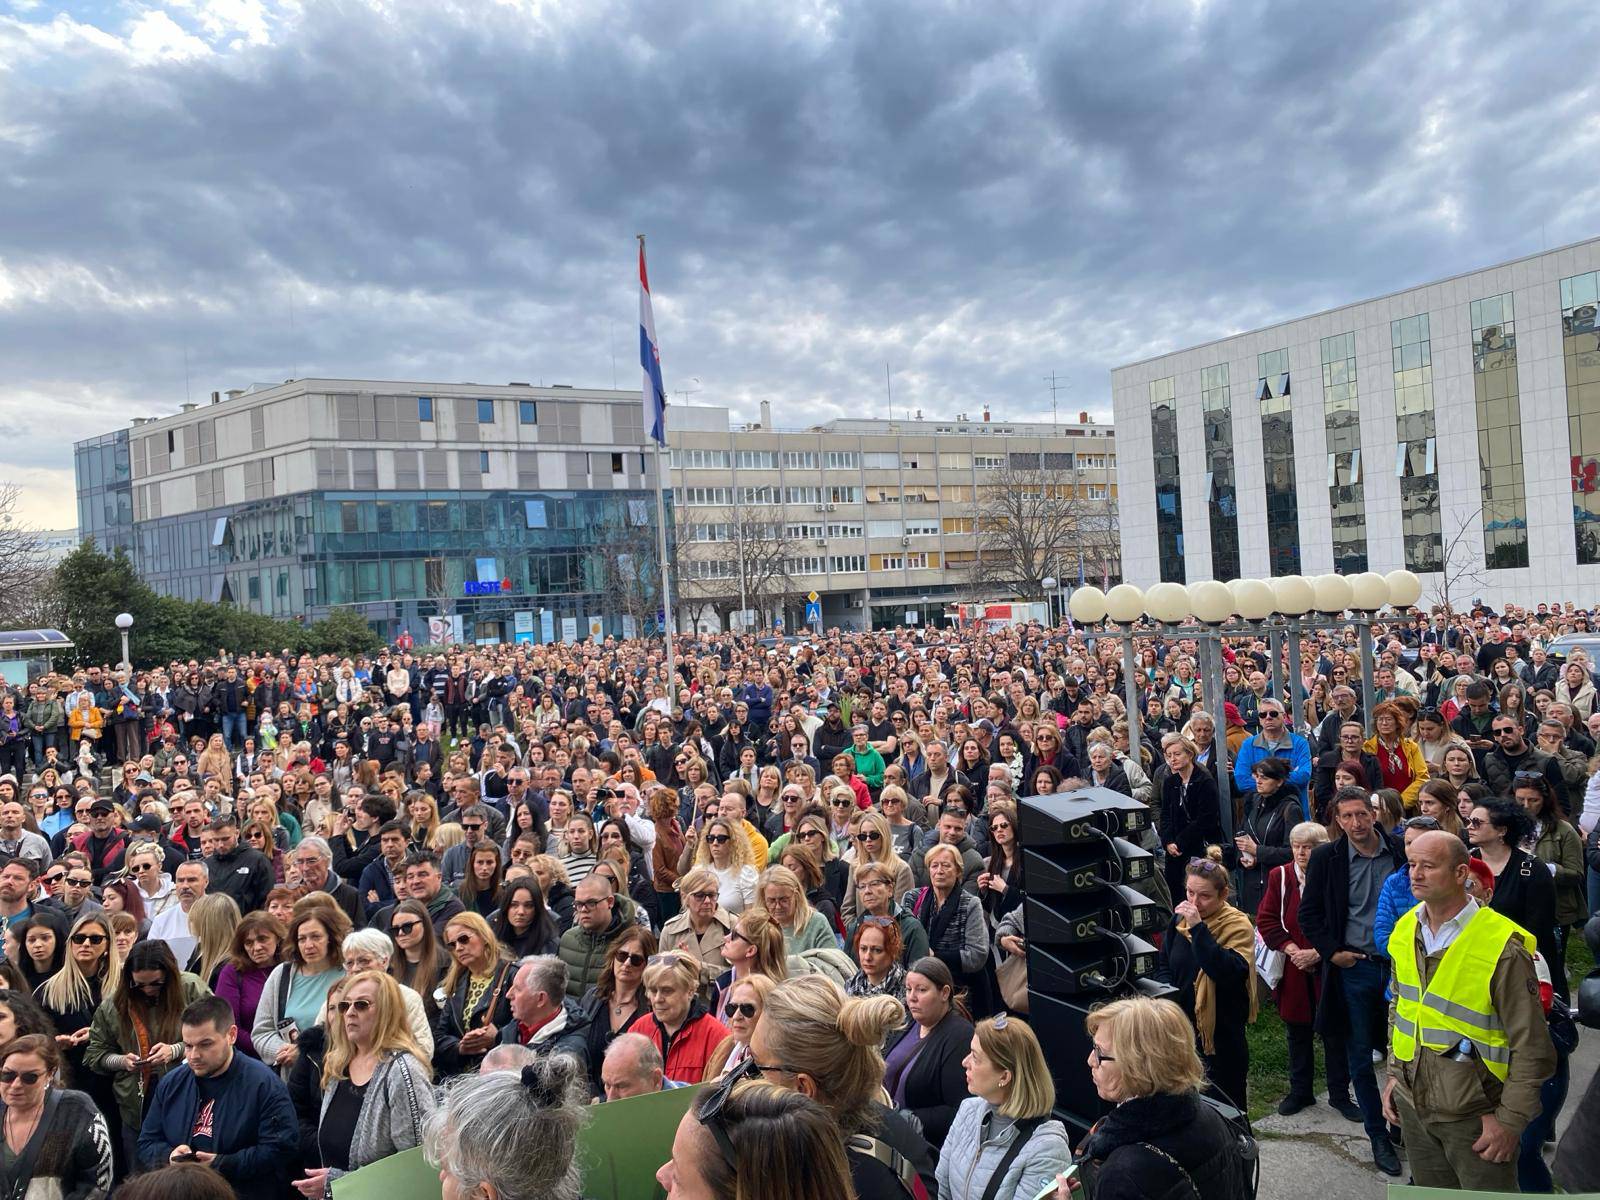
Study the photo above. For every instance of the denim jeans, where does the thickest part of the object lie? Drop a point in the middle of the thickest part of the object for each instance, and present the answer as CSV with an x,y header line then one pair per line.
x,y
1533,1174
1362,987
235,728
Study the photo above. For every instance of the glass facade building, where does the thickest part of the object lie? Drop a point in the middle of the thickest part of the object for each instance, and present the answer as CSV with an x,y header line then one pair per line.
x,y
105,490
1274,390
1416,445
1216,409
402,557
1169,492
1499,405
1580,350
1341,415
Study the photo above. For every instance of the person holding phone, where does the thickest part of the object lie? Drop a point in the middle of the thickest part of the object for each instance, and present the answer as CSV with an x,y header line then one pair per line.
x,y
135,1036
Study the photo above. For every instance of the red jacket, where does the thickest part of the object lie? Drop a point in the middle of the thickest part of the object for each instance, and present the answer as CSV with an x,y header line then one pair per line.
x,y
686,1052
1278,922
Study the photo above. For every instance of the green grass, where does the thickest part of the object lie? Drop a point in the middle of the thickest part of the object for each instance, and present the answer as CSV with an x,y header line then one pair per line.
x,y
1269,1048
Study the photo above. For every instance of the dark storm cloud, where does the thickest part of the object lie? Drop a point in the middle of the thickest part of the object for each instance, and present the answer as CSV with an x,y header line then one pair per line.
x,y
975,194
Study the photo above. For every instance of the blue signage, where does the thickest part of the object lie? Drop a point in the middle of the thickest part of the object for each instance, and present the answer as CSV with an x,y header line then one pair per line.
x,y
813,612
481,587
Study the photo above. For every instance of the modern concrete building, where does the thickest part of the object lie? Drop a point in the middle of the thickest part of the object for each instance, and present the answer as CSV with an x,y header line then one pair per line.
x,y
877,517
523,512
1452,428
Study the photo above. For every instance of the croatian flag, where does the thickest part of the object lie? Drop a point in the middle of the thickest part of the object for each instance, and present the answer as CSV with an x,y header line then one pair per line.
x,y
654,392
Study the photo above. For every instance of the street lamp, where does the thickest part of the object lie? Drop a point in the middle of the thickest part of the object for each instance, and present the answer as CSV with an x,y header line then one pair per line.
x,y
125,623
1049,585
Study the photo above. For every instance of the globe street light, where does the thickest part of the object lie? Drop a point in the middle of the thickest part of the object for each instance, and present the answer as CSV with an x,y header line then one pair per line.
x,y
125,623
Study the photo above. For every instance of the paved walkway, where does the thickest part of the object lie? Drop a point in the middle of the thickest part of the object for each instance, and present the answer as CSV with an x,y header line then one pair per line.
x,y
1317,1152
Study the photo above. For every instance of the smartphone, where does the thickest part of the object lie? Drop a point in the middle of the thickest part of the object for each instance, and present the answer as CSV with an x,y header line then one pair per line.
x,y
183,1158
1049,1189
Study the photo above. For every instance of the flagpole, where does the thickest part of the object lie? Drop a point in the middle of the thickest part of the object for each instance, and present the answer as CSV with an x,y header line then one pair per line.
x,y
668,621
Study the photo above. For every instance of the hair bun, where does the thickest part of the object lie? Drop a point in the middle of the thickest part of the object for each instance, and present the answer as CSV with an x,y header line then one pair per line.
x,y
547,1087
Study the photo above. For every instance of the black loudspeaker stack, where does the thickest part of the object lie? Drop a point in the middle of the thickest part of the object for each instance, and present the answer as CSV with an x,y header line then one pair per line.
x,y
1088,931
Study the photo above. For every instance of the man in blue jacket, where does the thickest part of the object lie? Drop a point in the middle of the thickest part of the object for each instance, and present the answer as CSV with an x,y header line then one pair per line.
x,y
222,1109
1276,740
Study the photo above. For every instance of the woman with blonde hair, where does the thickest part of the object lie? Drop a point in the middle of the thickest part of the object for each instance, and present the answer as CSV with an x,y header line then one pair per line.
x,y
702,925
376,1084
447,835
1004,1129
828,1046
1160,1137
258,835
477,995
873,842
215,760
678,1025
754,946
723,847
89,973
746,1000
783,897
422,817
212,921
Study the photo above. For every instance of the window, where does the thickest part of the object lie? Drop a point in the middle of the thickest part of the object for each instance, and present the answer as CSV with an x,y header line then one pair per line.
x,y
711,531
1580,348
758,495
483,462
958,524
710,568
527,412
1169,499
533,512
702,460
989,462
616,463
917,562
1277,435
922,527
757,460
1499,405
807,564
888,562
880,460
424,408
843,460
804,530
844,495
802,495
883,493
849,529
485,412
698,497
955,462
800,460
883,529
847,564
1411,347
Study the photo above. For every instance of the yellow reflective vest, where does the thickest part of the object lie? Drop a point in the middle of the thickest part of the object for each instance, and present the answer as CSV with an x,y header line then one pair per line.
x,y
1456,1005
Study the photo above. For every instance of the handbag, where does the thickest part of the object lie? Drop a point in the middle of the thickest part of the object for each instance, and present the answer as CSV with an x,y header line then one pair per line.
x,y
1270,963
1012,974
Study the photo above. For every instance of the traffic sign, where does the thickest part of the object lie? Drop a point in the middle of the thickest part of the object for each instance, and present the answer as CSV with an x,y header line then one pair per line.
x,y
813,612
813,597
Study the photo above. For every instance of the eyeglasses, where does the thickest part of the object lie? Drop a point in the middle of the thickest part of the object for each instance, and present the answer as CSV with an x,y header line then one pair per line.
x,y
456,943
716,839
805,835
359,1006
841,803
26,1078
1502,730
744,1009
52,880
869,837
1099,1057
88,939
628,958
586,905
81,880
402,929
702,895
475,827
1527,777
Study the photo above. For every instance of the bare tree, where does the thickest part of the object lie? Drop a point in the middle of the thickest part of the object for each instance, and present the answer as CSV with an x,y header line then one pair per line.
x,y
626,560
1462,570
732,557
1032,522
24,570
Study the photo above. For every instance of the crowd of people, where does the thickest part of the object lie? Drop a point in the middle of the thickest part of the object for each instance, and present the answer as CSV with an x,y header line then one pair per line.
x,y
280,917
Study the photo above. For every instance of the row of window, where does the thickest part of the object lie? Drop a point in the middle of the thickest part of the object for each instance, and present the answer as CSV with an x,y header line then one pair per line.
x,y
527,411
881,460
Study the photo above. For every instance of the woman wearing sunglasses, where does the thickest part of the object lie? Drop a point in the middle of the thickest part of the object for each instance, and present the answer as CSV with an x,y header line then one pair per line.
x,y
726,850
476,1000
873,842
617,999
57,1143
376,1091
88,975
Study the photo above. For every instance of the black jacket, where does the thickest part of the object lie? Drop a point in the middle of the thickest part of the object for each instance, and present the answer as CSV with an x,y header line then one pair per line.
x,y
936,1083
1183,1127
1525,892
1322,788
1324,905
492,1008
573,1039
1190,820
244,874
1270,829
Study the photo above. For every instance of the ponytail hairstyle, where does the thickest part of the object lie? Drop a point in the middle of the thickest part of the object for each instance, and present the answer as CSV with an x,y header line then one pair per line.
x,y
836,1040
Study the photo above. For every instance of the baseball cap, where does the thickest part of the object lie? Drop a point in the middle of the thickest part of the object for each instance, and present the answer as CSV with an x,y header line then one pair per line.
x,y
102,806
148,823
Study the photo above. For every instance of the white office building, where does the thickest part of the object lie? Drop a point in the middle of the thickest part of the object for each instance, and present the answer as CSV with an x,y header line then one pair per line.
x,y
1452,425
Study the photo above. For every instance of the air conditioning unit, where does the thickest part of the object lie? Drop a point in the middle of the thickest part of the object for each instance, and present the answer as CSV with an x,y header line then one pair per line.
x,y
830,508
818,508
854,602
905,541
822,541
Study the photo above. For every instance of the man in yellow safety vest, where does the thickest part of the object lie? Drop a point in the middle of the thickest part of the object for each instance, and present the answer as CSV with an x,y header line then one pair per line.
x,y
1469,1046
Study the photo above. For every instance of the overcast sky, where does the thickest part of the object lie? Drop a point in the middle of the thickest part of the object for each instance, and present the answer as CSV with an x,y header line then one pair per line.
x,y
975,195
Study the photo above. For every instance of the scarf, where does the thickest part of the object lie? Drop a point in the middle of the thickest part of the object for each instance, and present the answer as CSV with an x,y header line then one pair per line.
x,y
943,915
1232,931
